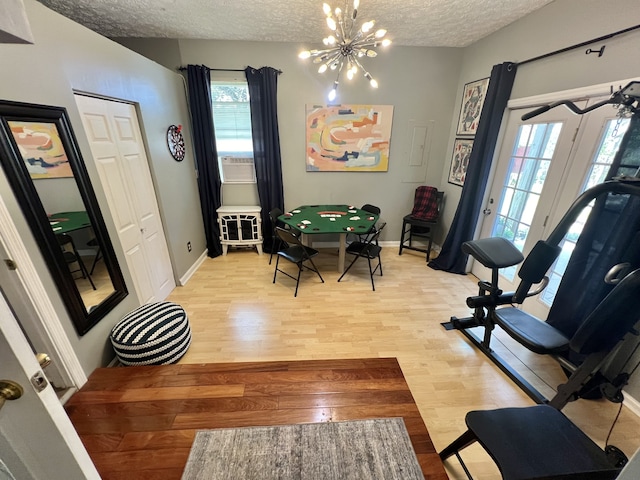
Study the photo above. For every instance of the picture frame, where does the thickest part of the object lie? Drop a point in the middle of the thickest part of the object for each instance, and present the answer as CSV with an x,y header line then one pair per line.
x,y
460,160
348,137
473,97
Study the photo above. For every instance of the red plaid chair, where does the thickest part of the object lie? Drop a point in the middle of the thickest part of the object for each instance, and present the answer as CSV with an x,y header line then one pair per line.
x,y
420,223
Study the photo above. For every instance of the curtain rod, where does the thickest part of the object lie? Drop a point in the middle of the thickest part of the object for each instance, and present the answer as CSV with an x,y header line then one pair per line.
x,y
582,44
182,69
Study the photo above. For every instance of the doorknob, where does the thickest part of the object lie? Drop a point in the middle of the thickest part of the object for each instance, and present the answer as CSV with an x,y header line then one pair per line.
x,y
9,391
43,359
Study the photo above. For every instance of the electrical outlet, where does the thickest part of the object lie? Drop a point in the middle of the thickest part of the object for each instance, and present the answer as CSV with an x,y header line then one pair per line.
x,y
189,246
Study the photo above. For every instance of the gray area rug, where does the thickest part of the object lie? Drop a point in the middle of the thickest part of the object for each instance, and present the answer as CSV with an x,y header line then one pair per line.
x,y
361,449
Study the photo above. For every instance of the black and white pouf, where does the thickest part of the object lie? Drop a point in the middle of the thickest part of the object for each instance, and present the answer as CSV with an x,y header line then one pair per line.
x,y
153,334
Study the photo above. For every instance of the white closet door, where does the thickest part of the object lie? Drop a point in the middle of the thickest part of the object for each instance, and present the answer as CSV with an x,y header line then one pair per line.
x,y
117,147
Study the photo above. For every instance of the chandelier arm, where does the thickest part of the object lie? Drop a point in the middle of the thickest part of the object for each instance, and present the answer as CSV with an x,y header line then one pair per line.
x,y
361,67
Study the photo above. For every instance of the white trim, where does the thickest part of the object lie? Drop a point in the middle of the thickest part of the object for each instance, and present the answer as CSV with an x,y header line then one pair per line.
x,y
574,94
38,296
189,273
632,404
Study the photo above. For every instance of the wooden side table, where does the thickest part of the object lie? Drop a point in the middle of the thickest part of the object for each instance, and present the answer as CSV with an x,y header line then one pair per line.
x,y
240,226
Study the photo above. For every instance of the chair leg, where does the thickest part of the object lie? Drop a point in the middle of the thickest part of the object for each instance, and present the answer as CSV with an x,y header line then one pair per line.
x,y
349,267
402,238
275,272
275,241
315,269
295,294
85,272
429,247
463,441
373,285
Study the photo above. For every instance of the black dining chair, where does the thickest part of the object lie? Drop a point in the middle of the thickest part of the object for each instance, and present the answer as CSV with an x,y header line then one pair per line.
x,y
422,220
71,256
295,252
368,249
367,207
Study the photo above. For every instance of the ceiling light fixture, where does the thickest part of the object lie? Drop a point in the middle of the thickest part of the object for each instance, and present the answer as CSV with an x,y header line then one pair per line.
x,y
347,44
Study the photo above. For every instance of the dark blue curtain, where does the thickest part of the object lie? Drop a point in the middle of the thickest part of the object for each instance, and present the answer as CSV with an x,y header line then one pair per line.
x,y
451,258
263,87
206,155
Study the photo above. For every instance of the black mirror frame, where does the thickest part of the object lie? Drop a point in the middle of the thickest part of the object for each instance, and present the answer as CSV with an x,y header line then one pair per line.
x,y
36,216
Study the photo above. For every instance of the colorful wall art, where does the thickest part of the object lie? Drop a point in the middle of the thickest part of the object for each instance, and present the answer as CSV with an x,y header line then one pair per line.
x,y
348,138
41,149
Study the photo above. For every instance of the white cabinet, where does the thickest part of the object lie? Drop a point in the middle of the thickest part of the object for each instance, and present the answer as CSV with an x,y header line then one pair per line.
x,y
240,226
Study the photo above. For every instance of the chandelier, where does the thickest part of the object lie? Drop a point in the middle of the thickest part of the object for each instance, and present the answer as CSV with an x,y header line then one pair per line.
x,y
347,44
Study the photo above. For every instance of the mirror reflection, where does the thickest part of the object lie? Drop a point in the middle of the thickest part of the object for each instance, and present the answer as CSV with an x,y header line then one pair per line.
x,y
40,157
56,185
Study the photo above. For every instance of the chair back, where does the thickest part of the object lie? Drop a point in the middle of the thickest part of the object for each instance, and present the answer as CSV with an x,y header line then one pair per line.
x,y
427,203
274,214
373,239
288,237
367,207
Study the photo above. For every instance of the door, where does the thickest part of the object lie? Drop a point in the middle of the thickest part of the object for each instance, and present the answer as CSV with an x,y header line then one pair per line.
x,y
37,439
544,164
117,148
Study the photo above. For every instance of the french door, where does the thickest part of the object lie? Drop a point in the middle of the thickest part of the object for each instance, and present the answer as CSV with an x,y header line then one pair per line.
x,y
543,165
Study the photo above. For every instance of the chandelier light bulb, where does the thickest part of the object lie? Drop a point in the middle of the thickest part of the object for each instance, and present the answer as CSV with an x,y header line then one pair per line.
x,y
367,26
332,95
347,45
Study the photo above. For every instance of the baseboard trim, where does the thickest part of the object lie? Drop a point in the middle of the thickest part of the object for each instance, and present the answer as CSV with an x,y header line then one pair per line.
x,y
632,404
187,276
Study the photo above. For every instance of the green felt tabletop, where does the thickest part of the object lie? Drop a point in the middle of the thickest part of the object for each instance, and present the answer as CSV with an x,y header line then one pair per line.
x,y
329,219
63,222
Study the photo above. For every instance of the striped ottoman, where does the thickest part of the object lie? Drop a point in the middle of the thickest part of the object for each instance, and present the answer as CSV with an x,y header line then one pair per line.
x,y
153,334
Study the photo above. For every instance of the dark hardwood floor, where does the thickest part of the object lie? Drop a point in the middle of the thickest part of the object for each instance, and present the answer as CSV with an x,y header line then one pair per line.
x,y
140,422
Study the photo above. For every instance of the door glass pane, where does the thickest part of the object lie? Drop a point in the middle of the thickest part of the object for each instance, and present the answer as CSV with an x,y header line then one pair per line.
x,y
603,158
530,161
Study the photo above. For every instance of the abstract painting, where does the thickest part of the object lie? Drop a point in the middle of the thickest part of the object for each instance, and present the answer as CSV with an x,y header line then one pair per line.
x,y
460,160
472,101
41,149
348,138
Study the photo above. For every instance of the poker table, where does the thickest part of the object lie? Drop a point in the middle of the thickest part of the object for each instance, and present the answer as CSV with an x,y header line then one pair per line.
x,y
65,222
330,219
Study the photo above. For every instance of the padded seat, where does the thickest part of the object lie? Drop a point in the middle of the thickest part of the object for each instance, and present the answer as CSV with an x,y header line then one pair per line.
x,y
152,334
533,333
536,442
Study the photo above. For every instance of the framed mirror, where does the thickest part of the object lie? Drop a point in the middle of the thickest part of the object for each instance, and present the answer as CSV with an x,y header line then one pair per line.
x,y
43,164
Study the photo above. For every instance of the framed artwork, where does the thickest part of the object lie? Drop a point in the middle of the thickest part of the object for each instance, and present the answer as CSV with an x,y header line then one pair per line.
x,y
348,138
460,160
41,148
472,101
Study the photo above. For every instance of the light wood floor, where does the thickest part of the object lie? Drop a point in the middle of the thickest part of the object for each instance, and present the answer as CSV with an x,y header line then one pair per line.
x,y
238,315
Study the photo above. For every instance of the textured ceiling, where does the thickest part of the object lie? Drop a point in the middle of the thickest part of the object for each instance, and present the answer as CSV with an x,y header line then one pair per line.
x,y
433,23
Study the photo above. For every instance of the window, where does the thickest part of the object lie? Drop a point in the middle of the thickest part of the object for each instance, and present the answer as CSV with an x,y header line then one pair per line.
x,y
232,125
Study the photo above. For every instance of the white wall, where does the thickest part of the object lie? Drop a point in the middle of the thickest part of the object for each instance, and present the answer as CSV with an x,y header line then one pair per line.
x,y
66,57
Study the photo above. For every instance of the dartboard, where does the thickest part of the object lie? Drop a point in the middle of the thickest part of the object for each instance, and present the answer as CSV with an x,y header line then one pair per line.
x,y
175,141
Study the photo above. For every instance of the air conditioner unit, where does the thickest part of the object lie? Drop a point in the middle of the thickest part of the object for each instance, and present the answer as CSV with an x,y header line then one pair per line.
x,y
238,170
